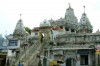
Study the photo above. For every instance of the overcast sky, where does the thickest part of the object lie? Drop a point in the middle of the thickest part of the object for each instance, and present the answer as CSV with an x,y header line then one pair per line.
x,y
35,11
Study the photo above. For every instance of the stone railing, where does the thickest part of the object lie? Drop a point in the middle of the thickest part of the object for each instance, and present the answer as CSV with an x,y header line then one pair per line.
x,y
23,54
39,50
34,58
30,53
73,47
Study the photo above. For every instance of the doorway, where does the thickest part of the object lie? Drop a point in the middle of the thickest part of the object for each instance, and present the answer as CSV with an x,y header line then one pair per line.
x,y
70,62
84,59
2,60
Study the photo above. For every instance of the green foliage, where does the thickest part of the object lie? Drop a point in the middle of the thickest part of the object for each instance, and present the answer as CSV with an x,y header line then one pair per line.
x,y
28,30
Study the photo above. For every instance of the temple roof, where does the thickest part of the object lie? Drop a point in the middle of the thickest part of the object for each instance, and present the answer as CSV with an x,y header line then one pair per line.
x,y
51,20
44,23
85,23
71,20
19,29
61,21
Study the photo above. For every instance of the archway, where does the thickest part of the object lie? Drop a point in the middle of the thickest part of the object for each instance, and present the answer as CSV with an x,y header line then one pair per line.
x,y
2,60
44,36
70,62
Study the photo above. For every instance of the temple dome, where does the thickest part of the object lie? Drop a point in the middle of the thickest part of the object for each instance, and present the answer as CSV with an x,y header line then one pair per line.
x,y
71,20
85,23
51,20
61,21
44,23
19,29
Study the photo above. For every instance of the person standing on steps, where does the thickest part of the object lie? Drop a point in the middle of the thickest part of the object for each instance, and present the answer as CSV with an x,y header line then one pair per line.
x,y
19,64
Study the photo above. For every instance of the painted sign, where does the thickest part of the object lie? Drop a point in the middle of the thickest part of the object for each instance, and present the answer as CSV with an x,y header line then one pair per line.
x,y
13,43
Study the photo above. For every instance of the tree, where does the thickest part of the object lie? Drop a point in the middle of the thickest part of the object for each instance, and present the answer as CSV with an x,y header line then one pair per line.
x,y
28,30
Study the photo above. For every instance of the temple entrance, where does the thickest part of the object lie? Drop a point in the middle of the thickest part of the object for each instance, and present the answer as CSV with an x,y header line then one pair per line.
x,y
70,62
44,36
2,60
84,59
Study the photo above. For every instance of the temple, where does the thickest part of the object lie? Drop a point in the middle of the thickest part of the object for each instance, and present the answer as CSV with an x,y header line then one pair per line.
x,y
62,42
69,41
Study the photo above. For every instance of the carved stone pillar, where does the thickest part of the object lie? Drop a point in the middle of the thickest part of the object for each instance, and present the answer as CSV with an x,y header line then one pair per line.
x,y
89,60
78,60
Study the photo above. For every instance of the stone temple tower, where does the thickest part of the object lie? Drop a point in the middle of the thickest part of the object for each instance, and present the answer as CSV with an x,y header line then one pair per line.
x,y
19,32
71,20
84,24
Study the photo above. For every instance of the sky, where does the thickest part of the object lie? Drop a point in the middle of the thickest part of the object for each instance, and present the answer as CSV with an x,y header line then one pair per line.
x,y
35,11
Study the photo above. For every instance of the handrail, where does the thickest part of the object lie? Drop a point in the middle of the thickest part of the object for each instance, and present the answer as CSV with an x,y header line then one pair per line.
x,y
21,56
30,55
30,52
34,58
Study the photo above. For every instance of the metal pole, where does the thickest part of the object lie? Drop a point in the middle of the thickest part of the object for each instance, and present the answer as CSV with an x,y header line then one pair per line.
x,y
98,60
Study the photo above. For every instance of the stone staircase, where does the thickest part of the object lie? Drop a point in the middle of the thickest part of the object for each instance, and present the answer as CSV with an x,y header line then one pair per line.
x,y
29,57
32,56
33,61
24,54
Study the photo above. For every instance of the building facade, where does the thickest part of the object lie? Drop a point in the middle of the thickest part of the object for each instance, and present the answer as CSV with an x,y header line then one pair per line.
x,y
68,40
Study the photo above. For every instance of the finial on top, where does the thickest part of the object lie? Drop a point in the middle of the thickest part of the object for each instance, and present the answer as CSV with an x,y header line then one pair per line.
x,y
69,4
20,16
84,9
98,30
51,18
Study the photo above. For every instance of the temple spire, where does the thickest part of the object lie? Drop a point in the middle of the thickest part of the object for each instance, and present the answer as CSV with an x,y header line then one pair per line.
x,y
69,5
84,9
20,16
